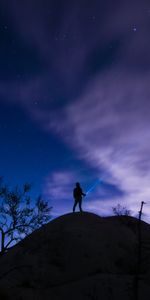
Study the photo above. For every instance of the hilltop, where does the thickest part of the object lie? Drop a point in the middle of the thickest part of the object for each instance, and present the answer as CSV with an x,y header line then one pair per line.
x,y
78,256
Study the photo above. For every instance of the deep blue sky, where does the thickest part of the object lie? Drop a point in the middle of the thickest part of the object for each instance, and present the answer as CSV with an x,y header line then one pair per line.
x,y
74,100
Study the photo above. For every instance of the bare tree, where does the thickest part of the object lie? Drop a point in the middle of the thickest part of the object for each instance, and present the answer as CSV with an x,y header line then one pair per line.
x,y
120,210
19,215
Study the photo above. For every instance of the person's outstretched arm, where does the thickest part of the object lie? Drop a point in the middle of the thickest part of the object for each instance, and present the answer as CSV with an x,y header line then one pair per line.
x,y
83,193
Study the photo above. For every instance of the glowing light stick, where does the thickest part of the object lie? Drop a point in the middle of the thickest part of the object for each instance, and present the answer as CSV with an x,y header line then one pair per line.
x,y
93,186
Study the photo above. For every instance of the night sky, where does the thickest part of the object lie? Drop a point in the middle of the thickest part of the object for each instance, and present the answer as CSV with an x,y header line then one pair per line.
x,y
75,100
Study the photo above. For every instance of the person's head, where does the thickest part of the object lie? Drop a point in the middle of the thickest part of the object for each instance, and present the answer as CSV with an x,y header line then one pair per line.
x,y
77,184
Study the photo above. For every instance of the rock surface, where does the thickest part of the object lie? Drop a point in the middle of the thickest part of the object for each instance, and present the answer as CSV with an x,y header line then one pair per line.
x,y
78,256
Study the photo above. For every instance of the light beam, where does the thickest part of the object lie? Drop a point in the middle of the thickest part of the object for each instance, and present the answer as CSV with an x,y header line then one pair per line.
x,y
91,188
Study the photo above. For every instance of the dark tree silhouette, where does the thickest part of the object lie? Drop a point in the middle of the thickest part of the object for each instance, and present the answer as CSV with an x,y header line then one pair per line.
x,y
19,216
121,210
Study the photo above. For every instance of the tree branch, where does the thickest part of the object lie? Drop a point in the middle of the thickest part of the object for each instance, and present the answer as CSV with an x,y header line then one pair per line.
x,y
9,243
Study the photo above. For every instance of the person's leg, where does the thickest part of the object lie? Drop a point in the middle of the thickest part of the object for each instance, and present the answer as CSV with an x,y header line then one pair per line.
x,y
80,205
75,204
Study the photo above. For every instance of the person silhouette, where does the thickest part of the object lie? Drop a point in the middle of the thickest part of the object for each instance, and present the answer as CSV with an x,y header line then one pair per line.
x,y
77,194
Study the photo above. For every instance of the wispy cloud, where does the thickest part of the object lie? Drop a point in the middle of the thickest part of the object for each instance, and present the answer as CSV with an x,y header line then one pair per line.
x,y
109,126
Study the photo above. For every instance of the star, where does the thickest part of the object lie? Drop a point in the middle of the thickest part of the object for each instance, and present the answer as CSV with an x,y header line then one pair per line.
x,y
92,18
134,28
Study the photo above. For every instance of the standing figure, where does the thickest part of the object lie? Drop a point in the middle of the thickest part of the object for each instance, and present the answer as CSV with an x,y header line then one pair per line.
x,y
77,194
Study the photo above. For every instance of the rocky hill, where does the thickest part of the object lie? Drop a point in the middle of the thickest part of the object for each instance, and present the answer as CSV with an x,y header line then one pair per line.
x,y
78,256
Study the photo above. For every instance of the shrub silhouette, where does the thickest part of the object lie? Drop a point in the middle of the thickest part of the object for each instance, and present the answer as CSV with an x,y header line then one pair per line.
x,y
121,210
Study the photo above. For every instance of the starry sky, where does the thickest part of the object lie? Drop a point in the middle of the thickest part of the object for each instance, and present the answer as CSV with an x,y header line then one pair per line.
x,y
75,100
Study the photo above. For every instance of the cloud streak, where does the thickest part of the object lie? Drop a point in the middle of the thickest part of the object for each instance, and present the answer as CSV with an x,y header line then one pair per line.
x,y
109,126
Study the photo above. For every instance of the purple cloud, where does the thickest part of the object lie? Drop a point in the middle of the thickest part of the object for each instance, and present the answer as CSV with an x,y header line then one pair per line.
x,y
109,126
